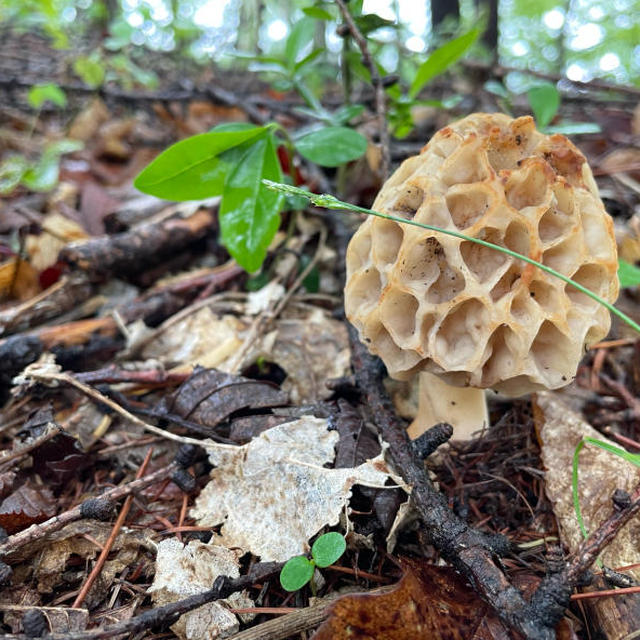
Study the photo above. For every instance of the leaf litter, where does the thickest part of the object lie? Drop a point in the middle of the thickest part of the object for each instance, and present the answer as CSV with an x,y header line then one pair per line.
x,y
273,494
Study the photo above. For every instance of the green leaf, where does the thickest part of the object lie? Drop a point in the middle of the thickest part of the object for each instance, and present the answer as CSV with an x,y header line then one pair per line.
x,y
441,59
11,171
317,13
308,59
43,176
301,35
545,101
331,146
628,274
328,548
60,147
233,126
193,169
90,70
370,22
249,212
40,93
296,573
573,128
347,112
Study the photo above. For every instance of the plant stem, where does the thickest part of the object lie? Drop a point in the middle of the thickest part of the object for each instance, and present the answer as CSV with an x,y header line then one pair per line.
x,y
331,202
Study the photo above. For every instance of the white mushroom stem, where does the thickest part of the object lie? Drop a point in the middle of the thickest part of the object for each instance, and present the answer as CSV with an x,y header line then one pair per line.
x,y
464,408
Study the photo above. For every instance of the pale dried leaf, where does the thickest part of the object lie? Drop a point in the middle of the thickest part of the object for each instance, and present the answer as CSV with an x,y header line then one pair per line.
x,y
600,474
183,571
273,493
202,338
311,350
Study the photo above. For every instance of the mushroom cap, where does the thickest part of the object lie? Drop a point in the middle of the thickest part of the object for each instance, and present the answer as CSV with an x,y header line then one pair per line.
x,y
422,300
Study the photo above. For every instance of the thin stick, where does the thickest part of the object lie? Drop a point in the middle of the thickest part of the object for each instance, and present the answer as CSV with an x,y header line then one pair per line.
x,y
38,531
376,80
43,376
102,558
331,202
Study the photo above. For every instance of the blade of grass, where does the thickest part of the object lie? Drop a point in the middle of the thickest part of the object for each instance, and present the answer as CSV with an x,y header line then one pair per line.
x,y
328,201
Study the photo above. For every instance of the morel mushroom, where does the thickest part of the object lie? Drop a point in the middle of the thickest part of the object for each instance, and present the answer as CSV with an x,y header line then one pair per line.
x,y
427,302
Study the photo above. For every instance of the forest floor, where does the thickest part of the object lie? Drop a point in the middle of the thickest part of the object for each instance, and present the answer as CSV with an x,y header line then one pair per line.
x,y
167,419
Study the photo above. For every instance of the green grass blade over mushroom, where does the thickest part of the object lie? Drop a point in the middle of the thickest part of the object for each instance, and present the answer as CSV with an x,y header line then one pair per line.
x,y
328,201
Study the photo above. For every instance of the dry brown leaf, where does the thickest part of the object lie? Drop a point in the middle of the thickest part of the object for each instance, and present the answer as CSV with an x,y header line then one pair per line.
x,y
182,571
311,350
86,124
202,338
27,505
21,285
273,493
57,231
429,602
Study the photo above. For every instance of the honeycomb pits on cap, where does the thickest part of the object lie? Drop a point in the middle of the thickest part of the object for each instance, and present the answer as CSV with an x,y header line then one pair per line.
x,y
424,301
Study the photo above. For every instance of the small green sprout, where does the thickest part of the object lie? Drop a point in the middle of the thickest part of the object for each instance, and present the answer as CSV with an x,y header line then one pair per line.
x,y
325,551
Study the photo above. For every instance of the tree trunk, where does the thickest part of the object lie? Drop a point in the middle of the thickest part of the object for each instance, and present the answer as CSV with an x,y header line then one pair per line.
x,y
490,35
443,9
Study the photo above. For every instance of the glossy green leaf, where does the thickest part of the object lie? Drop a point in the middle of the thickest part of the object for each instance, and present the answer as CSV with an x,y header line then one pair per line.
x,y
628,274
573,128
441,59
332,146
90,70
193,169
296,573
249,212
40,93
545,102
328,548
12,169
318,13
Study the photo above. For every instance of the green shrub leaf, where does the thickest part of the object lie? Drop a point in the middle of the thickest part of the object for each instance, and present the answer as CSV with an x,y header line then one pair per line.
x,y
545,102
193,169
332,146
296,573
628,274
328,548
40,93
249,212
318,13
441,59
90,69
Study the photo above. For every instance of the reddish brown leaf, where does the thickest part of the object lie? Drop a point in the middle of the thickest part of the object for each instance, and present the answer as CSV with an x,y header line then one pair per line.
x,y
429,602
27,505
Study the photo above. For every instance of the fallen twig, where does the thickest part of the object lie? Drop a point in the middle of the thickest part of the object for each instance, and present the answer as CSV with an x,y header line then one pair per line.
x,y
106,549
468,550
84,509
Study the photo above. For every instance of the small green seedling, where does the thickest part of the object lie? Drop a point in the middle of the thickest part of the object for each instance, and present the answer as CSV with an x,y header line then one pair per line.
x,y
325,551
